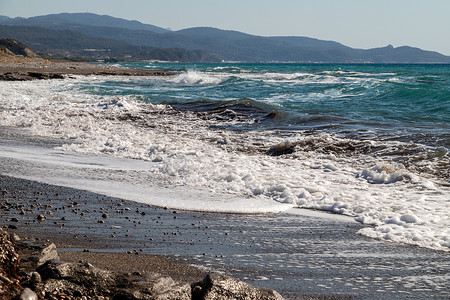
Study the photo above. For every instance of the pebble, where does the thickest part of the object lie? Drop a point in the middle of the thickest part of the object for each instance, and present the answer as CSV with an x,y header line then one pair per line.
x,y
36,277
28,294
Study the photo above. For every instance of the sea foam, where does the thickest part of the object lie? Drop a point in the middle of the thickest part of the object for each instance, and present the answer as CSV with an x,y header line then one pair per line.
x,y
185,154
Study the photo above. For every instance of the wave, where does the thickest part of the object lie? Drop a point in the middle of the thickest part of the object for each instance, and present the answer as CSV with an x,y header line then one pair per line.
x,y
189,148
192,77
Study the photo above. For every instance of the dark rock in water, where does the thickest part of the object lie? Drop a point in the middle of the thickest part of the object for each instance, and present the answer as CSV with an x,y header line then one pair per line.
x,y
286,147
271,115
217,286
41,217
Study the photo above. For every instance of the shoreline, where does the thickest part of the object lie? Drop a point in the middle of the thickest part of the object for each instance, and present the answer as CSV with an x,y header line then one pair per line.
x,y
296,255
24,69
247,247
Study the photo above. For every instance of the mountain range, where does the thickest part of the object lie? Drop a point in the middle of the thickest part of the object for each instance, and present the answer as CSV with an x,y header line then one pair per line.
x,y
99,36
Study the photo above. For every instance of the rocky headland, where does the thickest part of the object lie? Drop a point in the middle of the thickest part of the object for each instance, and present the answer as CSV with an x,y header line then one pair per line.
x,y
22,68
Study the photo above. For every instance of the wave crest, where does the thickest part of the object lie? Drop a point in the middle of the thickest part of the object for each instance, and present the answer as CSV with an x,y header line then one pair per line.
x,y
192,77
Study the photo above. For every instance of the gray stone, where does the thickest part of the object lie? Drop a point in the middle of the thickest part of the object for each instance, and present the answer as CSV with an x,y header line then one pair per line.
x,y
154,286
36,253
28,294
286,147
218,286
83,274
36,277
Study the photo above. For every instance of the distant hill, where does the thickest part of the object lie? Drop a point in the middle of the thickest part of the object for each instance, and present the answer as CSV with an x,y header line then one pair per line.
x,y
4,19
55,20
212,44
69,43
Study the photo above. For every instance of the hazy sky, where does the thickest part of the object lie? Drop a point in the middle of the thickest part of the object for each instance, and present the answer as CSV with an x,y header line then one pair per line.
x,y
355,23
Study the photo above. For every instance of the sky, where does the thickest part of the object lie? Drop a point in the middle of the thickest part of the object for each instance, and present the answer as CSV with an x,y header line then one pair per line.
x,y
356,23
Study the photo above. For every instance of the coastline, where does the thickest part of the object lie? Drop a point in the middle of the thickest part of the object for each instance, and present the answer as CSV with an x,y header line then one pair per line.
x,y
23,68
296,255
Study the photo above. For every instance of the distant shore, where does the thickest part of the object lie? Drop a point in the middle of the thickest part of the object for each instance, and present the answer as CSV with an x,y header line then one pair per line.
x,y
15,68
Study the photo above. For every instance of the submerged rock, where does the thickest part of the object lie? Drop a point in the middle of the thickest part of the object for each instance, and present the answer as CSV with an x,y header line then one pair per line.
x,y
286,147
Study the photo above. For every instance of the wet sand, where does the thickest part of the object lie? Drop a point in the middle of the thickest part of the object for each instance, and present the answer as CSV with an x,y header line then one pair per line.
x,y
293,254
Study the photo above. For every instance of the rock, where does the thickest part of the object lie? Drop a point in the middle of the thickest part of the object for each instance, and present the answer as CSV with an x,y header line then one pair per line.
x,y
9,266
286,147
36,253
41,217
36,277
85,274
217,286
154,286
75,279
9,258
15,237
28,294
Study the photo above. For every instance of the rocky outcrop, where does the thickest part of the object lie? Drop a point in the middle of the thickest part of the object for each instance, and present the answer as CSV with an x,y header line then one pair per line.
x,y
16,76
55,279
218,286
13,47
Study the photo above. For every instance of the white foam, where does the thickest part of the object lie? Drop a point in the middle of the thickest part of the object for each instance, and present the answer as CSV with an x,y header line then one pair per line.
x,y
192,77
183,155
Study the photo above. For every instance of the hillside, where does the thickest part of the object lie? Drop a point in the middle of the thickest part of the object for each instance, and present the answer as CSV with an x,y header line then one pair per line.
x,y
208,44
69,43
13,47
89,19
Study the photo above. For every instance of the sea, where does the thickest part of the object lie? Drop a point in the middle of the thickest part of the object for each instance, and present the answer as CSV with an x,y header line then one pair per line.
x,y
367,141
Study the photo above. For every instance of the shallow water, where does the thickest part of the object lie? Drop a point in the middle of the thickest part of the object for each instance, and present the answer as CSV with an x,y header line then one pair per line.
x,y
366,141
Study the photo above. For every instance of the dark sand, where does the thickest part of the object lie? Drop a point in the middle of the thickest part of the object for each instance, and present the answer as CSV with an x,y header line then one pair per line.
x,y
296,255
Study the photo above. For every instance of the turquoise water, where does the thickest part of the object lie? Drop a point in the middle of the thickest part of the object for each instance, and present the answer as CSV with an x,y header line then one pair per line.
x,y
405,103
402,96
